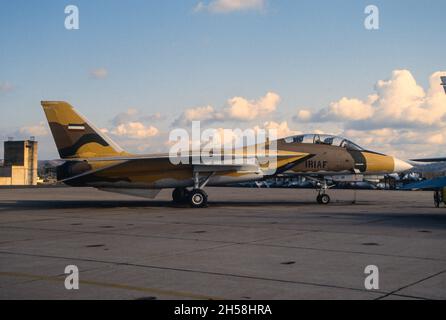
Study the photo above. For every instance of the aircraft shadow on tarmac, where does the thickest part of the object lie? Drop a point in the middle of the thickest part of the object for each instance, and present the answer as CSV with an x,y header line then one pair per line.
x,y
422,219
72,204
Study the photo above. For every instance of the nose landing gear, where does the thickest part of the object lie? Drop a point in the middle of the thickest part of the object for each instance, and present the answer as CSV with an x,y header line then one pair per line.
x,y
323,197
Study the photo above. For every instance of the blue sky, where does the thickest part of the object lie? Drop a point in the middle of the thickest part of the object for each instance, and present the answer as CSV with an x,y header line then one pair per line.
x,y
164,57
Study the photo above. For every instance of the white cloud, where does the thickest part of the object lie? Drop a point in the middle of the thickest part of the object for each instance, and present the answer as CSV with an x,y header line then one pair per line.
x,y
135,130
350,109
437,138
237,109
403,143
100,73
131,124
207,113
282,129
126,116
6,87
134,115
402,102
344,109
304,115
38,130
398,102
242,109
227,6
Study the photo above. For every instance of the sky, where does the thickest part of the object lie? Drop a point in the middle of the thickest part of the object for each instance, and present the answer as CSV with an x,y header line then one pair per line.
x,y
137,69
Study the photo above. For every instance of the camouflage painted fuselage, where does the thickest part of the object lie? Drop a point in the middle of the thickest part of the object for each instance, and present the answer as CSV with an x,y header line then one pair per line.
x,y
328,159
159,172
93,159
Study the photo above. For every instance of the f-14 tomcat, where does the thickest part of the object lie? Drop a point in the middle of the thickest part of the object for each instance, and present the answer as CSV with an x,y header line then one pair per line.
x,y
93,160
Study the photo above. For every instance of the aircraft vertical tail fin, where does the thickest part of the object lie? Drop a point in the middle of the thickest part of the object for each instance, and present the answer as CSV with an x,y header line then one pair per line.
x,y
75,136
443,83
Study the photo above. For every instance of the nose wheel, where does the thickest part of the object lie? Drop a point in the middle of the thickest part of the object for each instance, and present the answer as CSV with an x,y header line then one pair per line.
x,y
323,197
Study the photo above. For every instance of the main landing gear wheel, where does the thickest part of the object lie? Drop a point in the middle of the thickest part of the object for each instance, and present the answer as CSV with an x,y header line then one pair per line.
x,y
198,199
180,195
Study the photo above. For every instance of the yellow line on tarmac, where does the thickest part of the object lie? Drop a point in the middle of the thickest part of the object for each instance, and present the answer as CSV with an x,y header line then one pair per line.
x,y
112,285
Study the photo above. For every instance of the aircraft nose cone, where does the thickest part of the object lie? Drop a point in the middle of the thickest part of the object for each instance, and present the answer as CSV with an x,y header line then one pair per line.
x,y
401,166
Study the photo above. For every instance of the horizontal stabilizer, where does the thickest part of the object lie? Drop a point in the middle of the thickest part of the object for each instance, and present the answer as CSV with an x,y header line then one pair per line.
x,y
430,160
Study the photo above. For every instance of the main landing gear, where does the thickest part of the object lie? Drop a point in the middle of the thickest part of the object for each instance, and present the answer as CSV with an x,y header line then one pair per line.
x,y
323,197
197,197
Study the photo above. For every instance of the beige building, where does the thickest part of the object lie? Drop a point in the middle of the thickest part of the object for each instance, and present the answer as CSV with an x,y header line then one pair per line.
x,y
20,163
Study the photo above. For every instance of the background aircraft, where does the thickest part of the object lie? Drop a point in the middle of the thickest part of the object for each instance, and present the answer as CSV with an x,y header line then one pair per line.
x,y
93,160
437,184
432,167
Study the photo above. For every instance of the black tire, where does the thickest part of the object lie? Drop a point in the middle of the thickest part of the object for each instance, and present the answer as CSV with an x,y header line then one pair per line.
x,y
179,195
325,199
198,199
318,198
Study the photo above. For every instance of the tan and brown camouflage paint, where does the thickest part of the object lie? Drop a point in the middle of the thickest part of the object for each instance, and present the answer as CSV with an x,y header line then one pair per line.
x,y
70,143
87,144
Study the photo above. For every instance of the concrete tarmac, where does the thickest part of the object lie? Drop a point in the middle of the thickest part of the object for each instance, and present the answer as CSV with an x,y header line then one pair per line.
x,y
249,244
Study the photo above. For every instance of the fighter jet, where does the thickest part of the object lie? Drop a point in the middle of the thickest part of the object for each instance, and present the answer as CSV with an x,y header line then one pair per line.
x,y
93,160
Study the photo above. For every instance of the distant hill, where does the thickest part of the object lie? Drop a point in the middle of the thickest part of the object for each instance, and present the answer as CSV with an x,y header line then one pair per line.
x,y
48,163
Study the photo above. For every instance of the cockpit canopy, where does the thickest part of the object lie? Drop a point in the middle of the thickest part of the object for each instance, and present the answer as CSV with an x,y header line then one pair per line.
x,y
324,139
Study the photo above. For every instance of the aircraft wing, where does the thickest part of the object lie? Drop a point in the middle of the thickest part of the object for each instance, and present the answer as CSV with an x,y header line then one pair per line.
x,y
427,184
125,158
430,160
177,159
149,161
164,161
